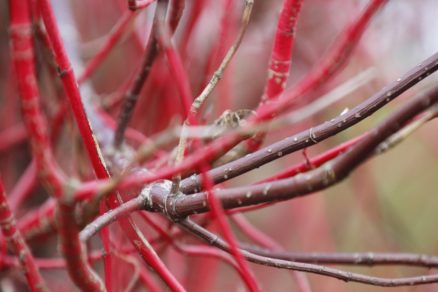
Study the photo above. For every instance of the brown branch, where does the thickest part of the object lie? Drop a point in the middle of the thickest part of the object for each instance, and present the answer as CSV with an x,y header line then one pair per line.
x,y
356,258
319,133
304,267
111,216
132,95
320,178
157,197
202,97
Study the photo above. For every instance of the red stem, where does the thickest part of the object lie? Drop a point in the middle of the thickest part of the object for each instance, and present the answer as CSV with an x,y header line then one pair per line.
x,y
23,59
175,63
111,41
13,236
267,242
314,162
72,91
299,168
191,250
279,64
220,216
22,52
72,250
331,64
70,86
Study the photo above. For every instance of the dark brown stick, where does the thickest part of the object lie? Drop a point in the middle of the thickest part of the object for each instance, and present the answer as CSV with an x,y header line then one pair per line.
x,y
320,178
319,133
355,259
304,267
132,95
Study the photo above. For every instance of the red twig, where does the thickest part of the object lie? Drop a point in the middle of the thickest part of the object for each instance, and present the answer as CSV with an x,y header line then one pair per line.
x,y
331,63
111,41
220,216
314,162
281,55
279,64
72,91
191,249
174,59
70,86
22,52
13,236
267,242
72,250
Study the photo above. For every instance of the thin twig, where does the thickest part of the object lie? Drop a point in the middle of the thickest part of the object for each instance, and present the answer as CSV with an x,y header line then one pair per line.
x,y
320,132
355,259
220,71
291,144
73,251
112,215
111,41
199,100
131,97
114,200
221,218
325,69
320,178
157,199
310,268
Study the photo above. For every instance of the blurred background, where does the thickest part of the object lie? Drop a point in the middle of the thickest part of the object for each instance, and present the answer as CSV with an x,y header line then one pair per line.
x,y
387,205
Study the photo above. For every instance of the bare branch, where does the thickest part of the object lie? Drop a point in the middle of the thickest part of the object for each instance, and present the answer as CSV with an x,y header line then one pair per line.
x,y
355,259
214,240
327,175
318,133
131,96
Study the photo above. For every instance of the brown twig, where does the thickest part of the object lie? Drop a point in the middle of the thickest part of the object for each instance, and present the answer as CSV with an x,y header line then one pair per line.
x,y
318,133
320,178
355,259
214,240
133,93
